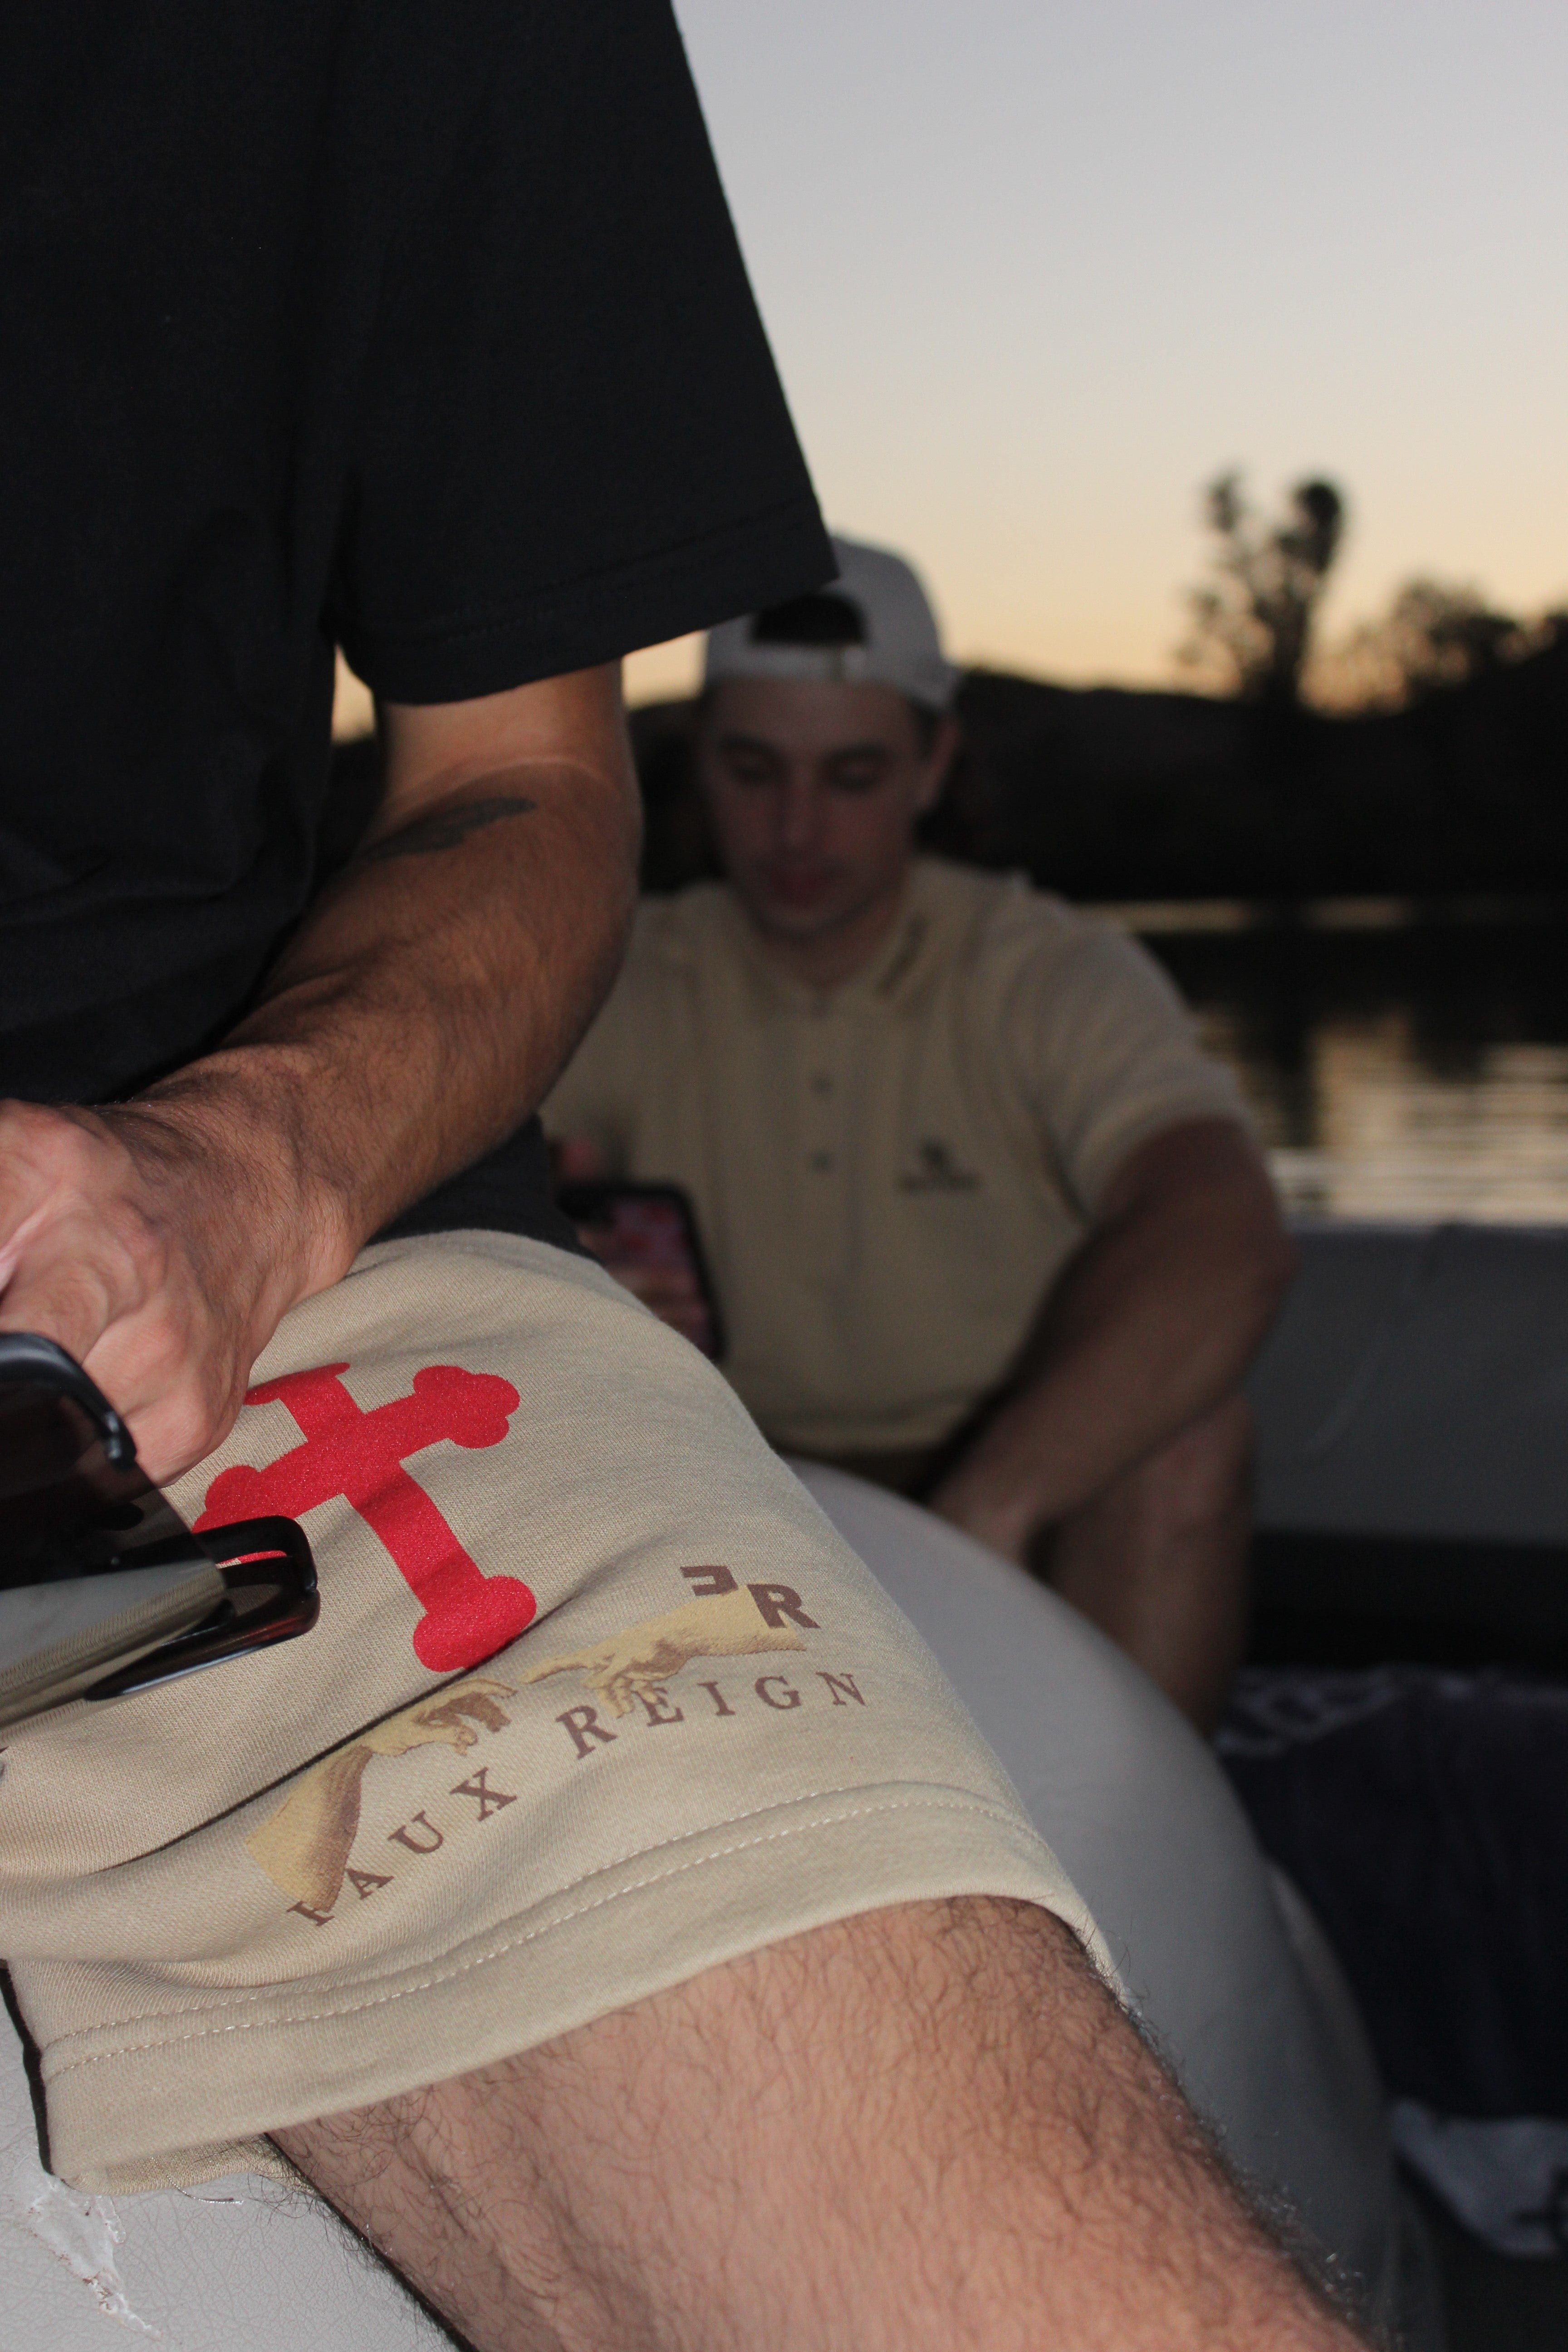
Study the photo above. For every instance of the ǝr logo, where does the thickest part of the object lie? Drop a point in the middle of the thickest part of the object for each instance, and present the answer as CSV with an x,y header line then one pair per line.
x,y
726,1620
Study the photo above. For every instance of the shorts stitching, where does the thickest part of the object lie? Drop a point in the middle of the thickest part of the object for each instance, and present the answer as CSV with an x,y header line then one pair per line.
x,y
616,1862
515,1943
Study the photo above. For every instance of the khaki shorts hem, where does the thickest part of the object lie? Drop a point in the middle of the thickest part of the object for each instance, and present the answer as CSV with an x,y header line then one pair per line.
x,y
188,2099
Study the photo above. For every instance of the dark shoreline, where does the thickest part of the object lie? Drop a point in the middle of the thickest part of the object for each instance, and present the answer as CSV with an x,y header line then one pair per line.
x,y
1114,794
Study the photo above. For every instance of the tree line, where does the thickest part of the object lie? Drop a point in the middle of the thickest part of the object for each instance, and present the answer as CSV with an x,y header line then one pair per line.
x,y
1253,623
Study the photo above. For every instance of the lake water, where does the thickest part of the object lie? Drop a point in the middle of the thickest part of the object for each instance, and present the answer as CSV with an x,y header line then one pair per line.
x,y
1404,1061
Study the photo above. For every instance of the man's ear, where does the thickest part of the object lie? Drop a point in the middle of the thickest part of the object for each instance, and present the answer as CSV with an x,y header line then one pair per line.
x,y
945,746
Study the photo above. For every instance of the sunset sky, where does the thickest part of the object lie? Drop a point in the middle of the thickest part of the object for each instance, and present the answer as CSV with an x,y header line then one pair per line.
x,y
1034,273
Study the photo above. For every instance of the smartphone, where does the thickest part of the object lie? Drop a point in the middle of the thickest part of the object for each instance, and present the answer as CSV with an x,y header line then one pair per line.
x,y
651,1228
103,1588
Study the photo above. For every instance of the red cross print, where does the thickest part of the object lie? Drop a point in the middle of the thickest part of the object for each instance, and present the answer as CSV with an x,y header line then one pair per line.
x,y
469,1616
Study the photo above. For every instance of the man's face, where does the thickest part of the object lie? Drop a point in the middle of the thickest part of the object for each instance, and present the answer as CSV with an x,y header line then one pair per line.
x,y
814,790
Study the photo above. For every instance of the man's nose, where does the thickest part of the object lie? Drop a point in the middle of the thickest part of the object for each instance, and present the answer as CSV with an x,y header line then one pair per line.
x,y
799,815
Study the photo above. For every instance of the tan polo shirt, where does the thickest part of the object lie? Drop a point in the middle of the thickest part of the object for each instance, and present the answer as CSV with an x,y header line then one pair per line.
x,y
887,1175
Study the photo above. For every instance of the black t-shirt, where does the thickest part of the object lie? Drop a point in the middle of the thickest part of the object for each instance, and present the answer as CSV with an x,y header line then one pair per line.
x,y
417,328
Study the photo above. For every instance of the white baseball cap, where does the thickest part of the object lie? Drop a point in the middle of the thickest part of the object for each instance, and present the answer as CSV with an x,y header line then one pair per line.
x,y
873,625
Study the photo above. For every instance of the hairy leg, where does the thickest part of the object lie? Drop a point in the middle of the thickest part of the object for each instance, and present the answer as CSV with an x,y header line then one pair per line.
x,y
1158,1560
928,2126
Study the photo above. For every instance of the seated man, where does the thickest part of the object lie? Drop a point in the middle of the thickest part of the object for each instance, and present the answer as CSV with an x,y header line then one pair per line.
x,y
607,1905
983,1222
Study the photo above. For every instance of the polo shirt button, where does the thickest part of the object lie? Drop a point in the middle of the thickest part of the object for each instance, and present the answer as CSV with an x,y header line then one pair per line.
x,y
822,1084
822,1161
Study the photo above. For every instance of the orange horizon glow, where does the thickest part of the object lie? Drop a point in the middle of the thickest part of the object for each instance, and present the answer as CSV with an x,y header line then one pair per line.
x,y
1034,277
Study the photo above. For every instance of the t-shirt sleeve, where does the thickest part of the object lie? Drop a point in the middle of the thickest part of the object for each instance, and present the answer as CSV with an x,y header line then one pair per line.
x,y
571,440
1107,1055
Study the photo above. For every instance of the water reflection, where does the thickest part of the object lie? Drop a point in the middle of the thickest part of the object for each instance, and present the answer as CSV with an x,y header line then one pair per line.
x,y
1401,1062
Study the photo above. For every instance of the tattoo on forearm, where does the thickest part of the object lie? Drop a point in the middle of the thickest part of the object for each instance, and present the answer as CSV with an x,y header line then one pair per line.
x,y
445,828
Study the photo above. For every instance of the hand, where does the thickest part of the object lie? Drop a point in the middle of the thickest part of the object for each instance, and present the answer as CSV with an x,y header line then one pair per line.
x,y
160,1243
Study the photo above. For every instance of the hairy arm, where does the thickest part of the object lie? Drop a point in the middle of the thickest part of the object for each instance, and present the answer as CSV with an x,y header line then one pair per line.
x,y
435,991
422,1009
1154,1321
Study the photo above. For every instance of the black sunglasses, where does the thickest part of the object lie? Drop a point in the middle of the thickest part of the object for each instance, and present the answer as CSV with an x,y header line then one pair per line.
x,y
103,1588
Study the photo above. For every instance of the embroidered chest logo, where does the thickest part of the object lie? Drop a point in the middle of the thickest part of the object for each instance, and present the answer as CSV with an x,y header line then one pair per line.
x,y
936,1170
469,1616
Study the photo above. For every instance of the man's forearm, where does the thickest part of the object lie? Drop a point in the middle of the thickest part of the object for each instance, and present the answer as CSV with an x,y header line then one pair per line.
x,y
428,1002
1154,1321
423,1007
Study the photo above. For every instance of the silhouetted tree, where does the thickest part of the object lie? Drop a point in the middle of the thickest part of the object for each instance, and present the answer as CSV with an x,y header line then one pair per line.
x,y
1252,628
1434,635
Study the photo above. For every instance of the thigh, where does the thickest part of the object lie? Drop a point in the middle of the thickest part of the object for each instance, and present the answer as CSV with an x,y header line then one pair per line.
x,y
928,2126
597,1700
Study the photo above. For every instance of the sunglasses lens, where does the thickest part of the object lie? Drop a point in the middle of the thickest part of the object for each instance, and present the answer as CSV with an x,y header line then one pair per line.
x,y
103,1589
269,1595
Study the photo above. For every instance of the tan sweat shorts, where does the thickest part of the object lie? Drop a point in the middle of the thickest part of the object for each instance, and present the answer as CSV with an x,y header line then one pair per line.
x,y
597,1699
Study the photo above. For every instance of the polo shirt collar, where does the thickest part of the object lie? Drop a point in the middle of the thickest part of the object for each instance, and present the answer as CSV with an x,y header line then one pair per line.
x,y
890,978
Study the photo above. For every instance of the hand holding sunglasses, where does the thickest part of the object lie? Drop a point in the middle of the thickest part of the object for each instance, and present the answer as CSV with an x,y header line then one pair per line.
x,y
103,1588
